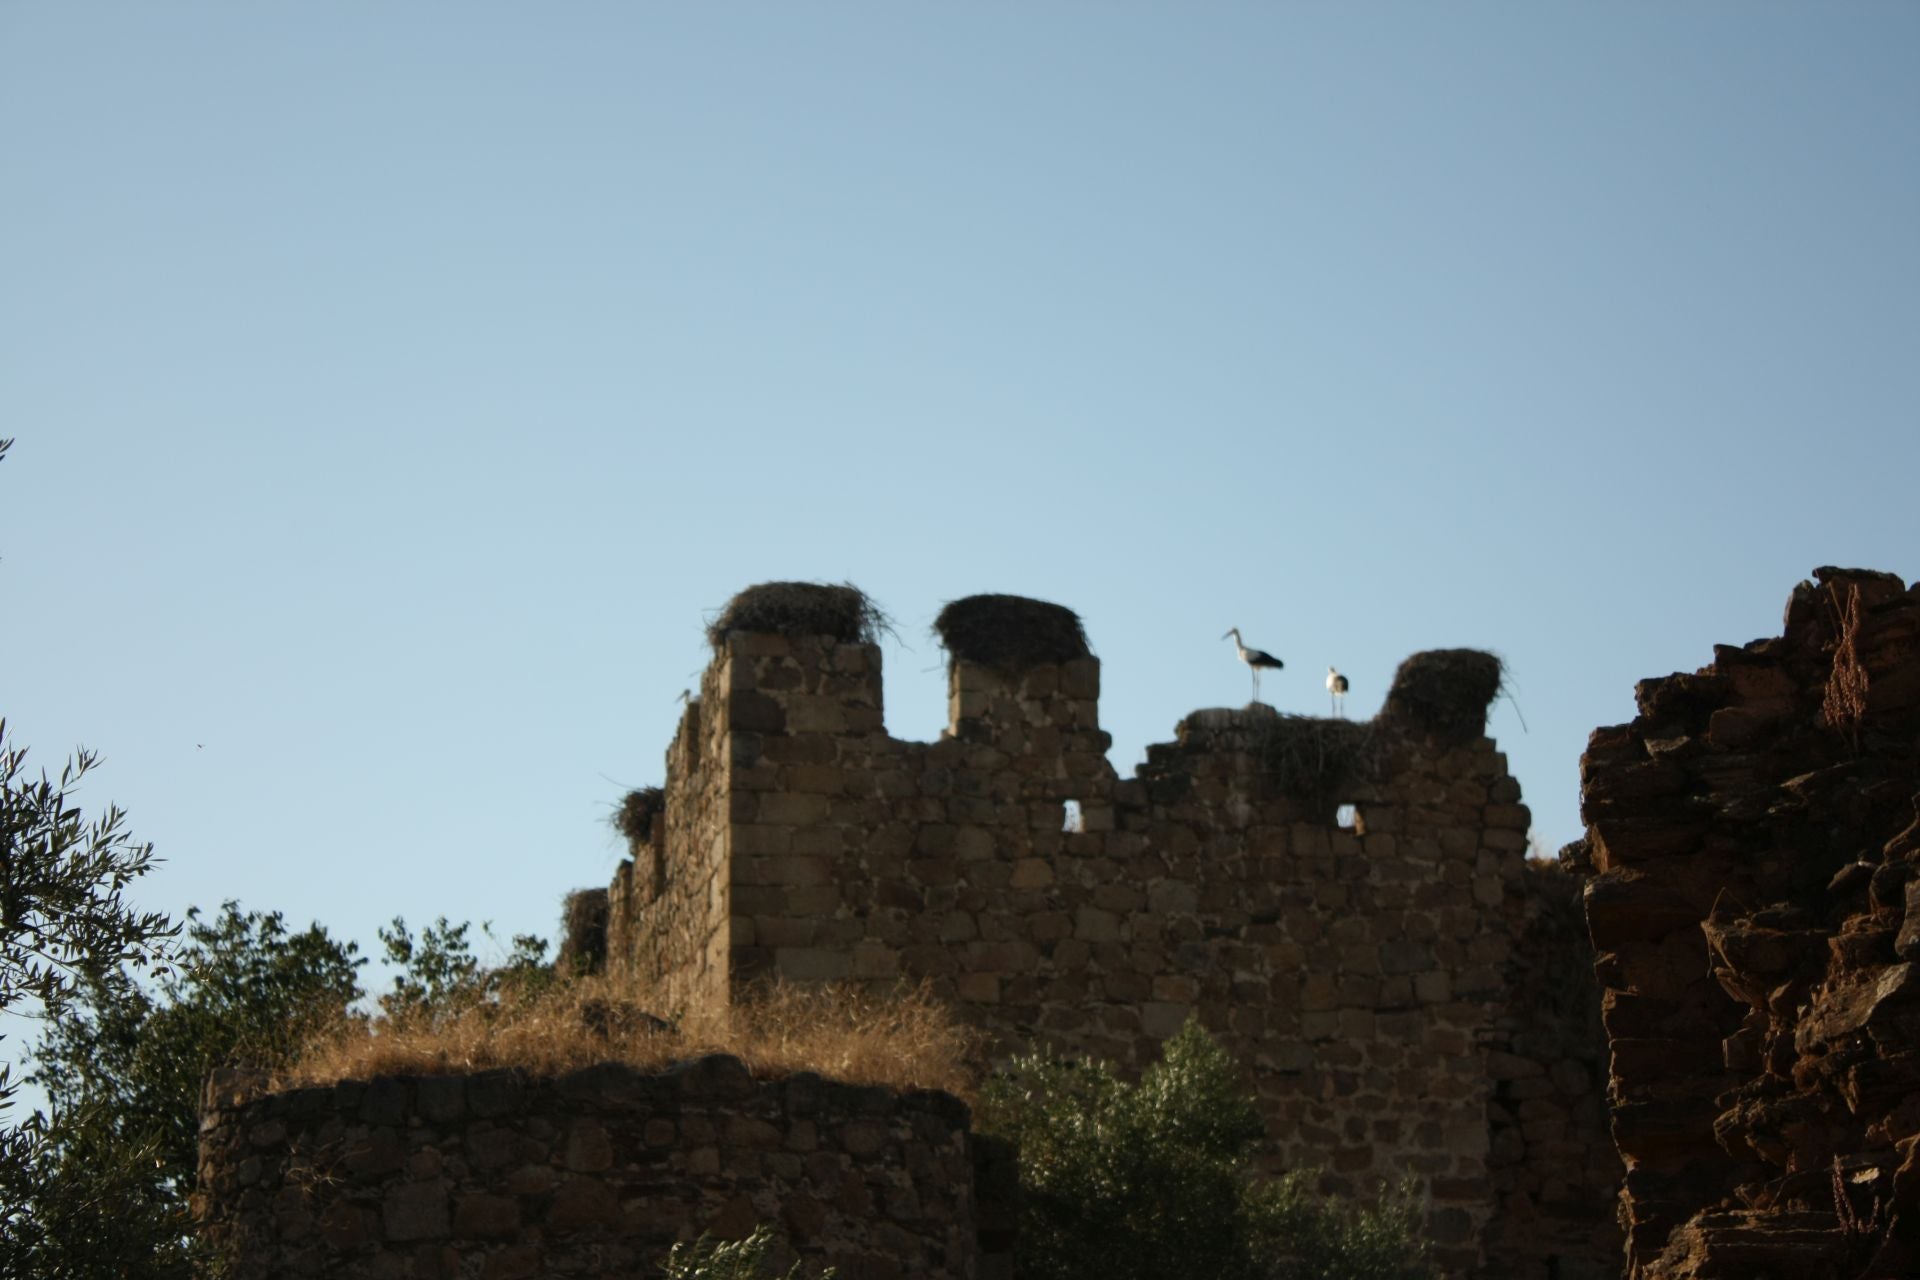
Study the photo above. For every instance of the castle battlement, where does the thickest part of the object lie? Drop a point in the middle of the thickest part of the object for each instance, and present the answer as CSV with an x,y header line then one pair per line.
x,y
1375,975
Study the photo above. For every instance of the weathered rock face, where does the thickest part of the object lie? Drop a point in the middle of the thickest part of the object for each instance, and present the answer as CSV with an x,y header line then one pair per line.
x,y
1758,924
1388,981
596,1173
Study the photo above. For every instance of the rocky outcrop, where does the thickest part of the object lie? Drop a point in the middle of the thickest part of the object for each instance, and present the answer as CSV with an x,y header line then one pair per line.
x,y
1757,917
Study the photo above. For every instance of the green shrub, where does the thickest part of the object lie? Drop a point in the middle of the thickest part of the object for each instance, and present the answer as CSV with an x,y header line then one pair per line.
x,y
710,1259
1153,1181
1306,1236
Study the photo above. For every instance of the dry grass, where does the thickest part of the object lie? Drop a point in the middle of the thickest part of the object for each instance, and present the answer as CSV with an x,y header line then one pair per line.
x,y
1845,703
904,1039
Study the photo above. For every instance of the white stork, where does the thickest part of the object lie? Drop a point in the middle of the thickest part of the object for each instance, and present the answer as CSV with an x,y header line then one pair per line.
x,y
1336,691
1257,660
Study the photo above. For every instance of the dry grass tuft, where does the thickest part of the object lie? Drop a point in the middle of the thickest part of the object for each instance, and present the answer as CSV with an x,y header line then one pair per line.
x,y
1845,703
1010,634
903,1039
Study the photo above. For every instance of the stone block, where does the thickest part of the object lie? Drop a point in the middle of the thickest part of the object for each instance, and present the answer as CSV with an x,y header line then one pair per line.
x,y
1094,925
812,713
440,1098
1176,988
971,843
583,1204
1503,841
799,871
1319,1026
751,1132
1163,1019
1080,679
979,988
347,1227
486,1217
416,1211
588,1148
812,964
516,1262
793,809
1032,873
875,960
863,1137
1403,955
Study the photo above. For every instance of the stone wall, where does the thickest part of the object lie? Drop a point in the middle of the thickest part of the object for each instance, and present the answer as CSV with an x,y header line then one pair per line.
x,y
672,929
1377,977
1758,918
496,1176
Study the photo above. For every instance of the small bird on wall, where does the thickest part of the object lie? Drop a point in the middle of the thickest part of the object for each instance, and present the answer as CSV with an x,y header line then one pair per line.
x,y
1337,693
1257,660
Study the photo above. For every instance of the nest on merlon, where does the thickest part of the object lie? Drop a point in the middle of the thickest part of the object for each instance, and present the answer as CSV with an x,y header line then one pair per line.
x,y
1010,634
1316,761
634,818
841,611
1446,692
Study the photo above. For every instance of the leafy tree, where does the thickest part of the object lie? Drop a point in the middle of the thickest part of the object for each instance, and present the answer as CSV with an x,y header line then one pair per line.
x,y
66,925
245,991
1153,1180
438,971
64,914
123,1064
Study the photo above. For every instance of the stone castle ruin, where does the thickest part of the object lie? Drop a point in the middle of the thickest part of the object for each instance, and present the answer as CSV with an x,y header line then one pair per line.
x,y
1408,993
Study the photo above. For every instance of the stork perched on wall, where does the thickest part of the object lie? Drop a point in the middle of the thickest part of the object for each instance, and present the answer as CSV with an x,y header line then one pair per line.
x,y
1257,660
1336,692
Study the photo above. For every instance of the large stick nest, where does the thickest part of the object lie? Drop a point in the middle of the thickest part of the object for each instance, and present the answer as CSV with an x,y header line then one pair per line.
x,y
1446,692
1010,633
634,818
841,611
1318,762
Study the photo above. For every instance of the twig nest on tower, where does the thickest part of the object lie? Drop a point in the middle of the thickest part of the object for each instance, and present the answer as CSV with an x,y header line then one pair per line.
x,y
1010,634
1445,693
841,611
634,818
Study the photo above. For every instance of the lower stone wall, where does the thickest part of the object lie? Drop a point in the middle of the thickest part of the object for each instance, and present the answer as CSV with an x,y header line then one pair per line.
x,y
596,1173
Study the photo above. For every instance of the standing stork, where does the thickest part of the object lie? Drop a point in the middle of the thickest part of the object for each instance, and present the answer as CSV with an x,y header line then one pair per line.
x,y
1257,660
1336,691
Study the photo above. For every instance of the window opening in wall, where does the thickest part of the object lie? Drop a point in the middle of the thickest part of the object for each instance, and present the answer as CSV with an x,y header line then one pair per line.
x,y
1073,820
1347,817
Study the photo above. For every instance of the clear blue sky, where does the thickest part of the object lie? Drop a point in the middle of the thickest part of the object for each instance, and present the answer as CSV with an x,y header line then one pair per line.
x,y
399,387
